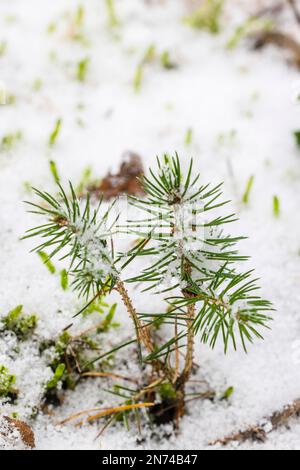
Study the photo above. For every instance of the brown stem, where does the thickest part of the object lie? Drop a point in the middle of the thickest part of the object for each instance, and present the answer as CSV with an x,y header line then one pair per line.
x,y
190,343
188,363
142,331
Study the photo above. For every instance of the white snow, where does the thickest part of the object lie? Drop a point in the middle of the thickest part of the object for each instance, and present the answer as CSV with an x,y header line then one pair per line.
x,y
242,109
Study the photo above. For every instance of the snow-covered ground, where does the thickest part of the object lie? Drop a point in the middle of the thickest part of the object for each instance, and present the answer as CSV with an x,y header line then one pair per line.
x,y
243,110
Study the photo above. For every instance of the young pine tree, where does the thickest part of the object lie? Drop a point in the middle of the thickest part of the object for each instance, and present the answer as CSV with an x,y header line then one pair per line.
x,y
188,258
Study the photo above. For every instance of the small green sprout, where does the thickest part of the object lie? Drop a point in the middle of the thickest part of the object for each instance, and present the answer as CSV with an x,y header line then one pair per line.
x,y
47,262
22,325
55,133
252,25
108,321
166,61
207,17
7,382
113,20
148,57
54,171
138,77
79,16
3,48
297,138
228,393
276,207
8,141
85,180
188,137
82,69
64,279
51,28
99,305
59,372
248,189
227,138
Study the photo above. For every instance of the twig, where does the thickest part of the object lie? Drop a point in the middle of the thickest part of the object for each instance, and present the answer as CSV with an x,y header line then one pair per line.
x,y
260,432
108,374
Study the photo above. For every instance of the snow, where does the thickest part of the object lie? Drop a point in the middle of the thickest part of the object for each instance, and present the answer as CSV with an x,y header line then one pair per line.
x,y
242,109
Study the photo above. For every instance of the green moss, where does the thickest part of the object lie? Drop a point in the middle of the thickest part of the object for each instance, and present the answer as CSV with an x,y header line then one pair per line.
x,y
22,325
167,391
7,382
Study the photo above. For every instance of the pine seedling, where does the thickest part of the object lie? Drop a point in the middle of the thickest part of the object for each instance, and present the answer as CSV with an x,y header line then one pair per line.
x,y
189,258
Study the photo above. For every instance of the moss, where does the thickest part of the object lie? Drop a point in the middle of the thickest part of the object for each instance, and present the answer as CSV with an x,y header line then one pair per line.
x,y
7,382
167,391
22,325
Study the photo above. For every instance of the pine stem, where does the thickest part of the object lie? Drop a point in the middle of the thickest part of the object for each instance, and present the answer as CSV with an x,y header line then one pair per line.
x,y
142,331
190,343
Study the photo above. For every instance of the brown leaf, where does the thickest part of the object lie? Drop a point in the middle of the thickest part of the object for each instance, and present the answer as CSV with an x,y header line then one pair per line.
x,y
126,181
24,429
